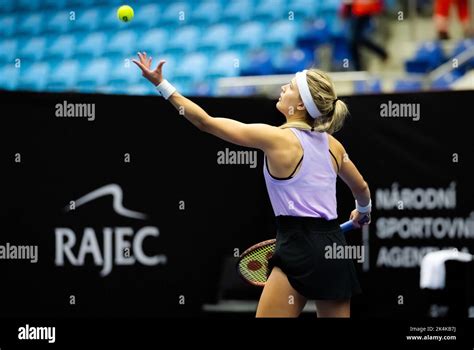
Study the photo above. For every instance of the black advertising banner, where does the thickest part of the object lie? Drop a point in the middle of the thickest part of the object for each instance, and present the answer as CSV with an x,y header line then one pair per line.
x,y
118,206
418,165
130,209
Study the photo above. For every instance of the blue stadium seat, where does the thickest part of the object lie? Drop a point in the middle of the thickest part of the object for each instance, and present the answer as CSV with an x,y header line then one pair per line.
x,y
27,5
176,13
184,40
427,57
58,23
270,10
191,68
75,4
111,89
147,16
258,62
368,86
292,60
7,25
461,46
153,40
216,38
141,89
53,4
117,3
9,75
329,7
248,36
431,48
237,91
408,85
280,34
61,48
35,77
6,6
94,75
123,43
123,73
185,89
206,13
445,81
31,24
64,76
340,27
8,49
32,49
93,45
238,11
341,54
225,64
203,88
86,20
170,65
303,9
313,34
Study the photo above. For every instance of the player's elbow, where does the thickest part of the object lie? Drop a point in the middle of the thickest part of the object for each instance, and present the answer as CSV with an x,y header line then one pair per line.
x,y
205,124
361,188
202,126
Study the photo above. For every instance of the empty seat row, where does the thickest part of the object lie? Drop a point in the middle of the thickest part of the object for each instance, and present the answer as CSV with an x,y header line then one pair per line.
x,y
182,40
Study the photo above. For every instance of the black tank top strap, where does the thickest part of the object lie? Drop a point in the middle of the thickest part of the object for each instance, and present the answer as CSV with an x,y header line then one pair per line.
x,y
296,167
337,164
283,178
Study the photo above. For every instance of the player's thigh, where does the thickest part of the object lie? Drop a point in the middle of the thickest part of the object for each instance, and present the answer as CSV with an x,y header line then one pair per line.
x,y
333,308
279,298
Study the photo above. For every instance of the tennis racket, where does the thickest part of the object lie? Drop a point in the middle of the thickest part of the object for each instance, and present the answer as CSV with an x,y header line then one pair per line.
x,y
252,265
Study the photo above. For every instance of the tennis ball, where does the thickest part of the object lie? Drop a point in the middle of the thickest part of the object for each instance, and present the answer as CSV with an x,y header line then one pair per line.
x,y
125,13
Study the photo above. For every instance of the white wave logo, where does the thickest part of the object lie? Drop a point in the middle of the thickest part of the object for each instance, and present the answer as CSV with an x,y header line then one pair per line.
x,y
116,192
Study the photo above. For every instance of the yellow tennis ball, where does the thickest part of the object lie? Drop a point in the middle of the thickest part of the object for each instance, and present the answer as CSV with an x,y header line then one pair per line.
x,y
125,13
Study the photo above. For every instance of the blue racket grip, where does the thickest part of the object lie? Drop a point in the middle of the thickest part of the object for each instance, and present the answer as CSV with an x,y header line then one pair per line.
x,y
349,225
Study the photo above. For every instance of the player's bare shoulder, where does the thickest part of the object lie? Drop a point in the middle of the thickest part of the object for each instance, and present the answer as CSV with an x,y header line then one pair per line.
x,y
334,144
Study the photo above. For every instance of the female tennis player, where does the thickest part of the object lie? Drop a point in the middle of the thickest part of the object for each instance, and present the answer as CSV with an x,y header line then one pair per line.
x,y
302,161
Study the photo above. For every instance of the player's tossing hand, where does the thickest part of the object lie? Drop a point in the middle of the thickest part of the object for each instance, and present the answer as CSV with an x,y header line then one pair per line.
x,y
155,76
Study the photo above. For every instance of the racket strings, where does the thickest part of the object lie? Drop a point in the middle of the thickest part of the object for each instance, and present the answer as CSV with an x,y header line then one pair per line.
x,y
254,266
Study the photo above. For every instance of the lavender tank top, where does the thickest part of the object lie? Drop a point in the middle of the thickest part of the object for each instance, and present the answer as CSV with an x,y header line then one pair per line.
x,y
312,190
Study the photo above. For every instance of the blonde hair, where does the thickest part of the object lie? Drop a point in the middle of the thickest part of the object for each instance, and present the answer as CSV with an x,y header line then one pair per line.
x,y
334,111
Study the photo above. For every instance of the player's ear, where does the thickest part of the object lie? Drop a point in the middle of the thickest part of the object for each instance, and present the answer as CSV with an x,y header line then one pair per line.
x,y
300,106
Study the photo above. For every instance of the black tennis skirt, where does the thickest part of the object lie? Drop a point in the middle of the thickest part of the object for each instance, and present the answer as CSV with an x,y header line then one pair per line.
x,y
300,253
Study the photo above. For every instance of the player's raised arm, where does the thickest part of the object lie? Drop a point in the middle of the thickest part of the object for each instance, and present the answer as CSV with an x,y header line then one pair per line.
x,y
261,136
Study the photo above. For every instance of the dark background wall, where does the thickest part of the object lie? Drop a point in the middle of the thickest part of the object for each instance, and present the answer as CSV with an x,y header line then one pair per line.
x,y
225,206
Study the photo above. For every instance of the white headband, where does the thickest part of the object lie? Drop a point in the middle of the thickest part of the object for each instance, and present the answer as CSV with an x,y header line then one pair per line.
x,y
306,95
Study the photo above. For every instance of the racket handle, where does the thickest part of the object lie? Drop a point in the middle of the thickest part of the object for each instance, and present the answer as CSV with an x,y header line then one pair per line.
x,y
347,226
